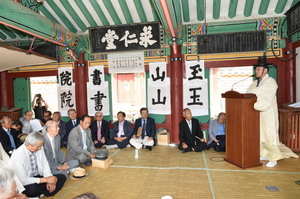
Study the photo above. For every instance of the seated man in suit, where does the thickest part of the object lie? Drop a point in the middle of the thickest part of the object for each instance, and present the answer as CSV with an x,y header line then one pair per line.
x,y
100,130
8,136
217,133
80,144
73,122
55,156
27,128
62,128
191,135
122,132
146,126
31,167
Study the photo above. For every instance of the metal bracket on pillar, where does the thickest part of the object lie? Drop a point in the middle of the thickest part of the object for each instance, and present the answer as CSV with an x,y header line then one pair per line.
x,y
80,64
176,59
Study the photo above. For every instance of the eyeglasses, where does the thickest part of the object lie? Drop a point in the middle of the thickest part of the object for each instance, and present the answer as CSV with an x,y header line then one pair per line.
x,y
87,123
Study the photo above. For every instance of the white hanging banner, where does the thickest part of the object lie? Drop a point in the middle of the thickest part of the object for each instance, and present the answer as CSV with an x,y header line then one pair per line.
x,y
195,91
96,75
126,62
65,76
66,98
158,89
98,99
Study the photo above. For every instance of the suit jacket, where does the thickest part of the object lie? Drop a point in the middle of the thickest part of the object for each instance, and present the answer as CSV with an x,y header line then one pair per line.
x,y
213,130
49,152
126,128
5,141
63,133
150,126
185,134
69,127
75,143
104,130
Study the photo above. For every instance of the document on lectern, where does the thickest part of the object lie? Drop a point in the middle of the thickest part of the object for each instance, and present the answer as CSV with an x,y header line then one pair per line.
x,y
295,105
36,125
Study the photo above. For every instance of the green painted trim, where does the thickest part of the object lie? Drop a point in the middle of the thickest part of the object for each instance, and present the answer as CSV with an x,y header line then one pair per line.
x,y
184,33
140,10
172,13
200,10
232,8
231,28
100,12
74,15
154,11
294,2
178,12
2,36
248,8
160,13
126,11
264,4
19,33
8,32
86,12
108,78
47,13
185,10
61,15
216,9
110,8
280,6
22,94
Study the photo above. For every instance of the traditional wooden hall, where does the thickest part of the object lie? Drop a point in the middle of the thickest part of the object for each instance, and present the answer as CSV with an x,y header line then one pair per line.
x,y
166,55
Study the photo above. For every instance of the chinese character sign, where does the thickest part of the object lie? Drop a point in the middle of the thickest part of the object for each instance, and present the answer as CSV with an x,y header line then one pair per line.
x,y
158,89
137,37
126,63
195,92
66,98
97,91
65,76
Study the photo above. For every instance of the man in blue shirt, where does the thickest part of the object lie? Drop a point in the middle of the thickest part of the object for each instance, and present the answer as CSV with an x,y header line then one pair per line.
x,y
217,133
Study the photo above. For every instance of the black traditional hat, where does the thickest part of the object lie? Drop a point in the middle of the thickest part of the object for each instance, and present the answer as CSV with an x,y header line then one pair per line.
x,y
262,62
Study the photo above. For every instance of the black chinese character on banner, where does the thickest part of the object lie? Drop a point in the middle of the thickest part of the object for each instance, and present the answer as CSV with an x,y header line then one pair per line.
x,y
65,99
196,69
65,78
158,99
162,77
195,97
96,77
98,100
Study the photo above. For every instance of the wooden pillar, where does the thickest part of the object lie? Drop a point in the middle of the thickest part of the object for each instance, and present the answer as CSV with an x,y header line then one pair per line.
x,y
176,69
290,73
7,93
80,79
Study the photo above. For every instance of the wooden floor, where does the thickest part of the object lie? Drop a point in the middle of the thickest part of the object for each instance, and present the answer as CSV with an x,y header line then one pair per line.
x,y
167,171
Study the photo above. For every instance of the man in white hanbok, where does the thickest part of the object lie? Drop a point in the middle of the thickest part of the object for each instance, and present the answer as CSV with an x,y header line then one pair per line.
x,y
265,89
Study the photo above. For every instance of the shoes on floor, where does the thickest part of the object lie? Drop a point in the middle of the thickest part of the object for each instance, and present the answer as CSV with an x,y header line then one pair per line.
x,y
111,146
149,148
128,145
271,164
88,163
263,158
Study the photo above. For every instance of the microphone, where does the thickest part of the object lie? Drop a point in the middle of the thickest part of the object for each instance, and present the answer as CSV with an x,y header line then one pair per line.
x,y
241,81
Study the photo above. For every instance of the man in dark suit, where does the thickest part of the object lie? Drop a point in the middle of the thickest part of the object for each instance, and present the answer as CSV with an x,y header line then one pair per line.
x,y
100,130
80,144
191,135
73,122
8,136
55,156
122,132
62,128
144,131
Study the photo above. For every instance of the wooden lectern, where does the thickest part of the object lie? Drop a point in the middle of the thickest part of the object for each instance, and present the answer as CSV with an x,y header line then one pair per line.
x,y
242,130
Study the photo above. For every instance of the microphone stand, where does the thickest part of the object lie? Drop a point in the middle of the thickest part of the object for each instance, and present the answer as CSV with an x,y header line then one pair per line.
x,y
241,81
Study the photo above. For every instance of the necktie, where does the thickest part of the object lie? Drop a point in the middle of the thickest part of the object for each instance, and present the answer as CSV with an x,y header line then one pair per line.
x,y
144,128
74,123
120,129
12,142
34,166
190,126
84,140
53,149
99,132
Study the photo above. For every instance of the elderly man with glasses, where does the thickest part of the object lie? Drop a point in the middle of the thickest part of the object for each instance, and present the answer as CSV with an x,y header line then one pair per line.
x,y
100,130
